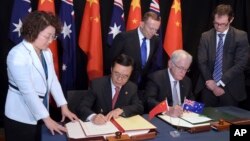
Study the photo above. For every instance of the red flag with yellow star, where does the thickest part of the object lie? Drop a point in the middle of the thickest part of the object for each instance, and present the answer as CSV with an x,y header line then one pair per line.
x,y
161,107
49,6
134,17
90,39
173,35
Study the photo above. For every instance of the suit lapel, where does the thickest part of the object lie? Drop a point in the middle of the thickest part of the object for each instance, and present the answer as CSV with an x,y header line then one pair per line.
x,y
213,44
182,90
227,41
35,60
107,93
168,85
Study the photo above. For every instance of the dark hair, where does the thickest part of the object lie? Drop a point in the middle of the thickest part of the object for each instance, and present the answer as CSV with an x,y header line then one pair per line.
x,y
37,21
224,9
152,15
123,60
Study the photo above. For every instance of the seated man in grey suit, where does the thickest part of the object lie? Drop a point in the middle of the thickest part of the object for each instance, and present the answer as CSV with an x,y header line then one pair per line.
x,y
112,96
171,83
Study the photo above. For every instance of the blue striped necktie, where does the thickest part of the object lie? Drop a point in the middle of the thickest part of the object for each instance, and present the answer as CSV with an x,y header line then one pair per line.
x,y
143,52
46,74
218,60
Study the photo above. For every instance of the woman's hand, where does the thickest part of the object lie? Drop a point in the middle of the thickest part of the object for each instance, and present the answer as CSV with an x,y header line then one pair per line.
x,y
54,126
67,113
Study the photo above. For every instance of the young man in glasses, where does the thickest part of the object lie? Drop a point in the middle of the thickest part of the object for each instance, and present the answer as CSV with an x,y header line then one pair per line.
x,y
171,84
222,58
112,96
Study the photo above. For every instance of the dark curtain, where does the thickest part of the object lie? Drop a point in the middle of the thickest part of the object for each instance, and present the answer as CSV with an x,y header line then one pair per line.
x,y
196,18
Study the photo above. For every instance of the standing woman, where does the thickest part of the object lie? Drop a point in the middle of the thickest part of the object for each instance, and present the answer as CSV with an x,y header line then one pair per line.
x,y
32,78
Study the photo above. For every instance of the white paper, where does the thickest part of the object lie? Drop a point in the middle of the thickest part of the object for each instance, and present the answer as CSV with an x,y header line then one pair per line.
x,y
91,129
74,130
180,122
195,118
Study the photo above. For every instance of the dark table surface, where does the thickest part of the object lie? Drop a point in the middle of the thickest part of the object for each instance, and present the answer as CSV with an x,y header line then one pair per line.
x,y
164,130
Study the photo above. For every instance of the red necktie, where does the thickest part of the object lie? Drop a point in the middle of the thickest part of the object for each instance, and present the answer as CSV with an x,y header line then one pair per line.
x,y
117,91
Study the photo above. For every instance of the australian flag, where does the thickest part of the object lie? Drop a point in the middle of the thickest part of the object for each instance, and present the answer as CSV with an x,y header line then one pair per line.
x,y
20,9
158,64
117,24
193,106
68,42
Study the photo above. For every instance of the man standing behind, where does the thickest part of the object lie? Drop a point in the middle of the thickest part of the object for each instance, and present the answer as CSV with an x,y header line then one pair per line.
x,y
222,58
171,83
141,44
112,96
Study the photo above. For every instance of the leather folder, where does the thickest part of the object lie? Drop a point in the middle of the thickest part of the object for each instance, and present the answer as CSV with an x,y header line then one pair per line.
x,y
220,125
99,138
240,121
216,114
150,135
198,129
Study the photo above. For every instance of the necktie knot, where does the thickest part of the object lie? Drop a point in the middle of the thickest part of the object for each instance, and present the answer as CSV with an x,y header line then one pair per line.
x,y
221,35
117,89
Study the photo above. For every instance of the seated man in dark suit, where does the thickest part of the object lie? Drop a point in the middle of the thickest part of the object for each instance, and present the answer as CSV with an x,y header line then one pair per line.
x,y
112,96
171,83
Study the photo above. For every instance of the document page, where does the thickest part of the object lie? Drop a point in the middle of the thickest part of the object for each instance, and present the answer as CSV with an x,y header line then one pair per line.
x,y
180,122
195,118
136,122
77,130
91,129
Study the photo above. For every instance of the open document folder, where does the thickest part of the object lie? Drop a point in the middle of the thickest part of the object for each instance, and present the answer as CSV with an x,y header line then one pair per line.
x,y
188,119
134,125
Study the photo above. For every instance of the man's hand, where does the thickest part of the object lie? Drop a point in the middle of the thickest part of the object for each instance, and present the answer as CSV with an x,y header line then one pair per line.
x,y
218,91
114,113
99,119
175,111
211,84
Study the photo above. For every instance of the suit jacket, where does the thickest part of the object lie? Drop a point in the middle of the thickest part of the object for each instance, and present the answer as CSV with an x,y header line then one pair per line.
x,y
129,44
99,99
235,58
158,88
25,71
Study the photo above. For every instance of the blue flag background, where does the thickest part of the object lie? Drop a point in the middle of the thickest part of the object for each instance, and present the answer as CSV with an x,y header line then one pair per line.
x,y
19,10
68,42
117,23
193,106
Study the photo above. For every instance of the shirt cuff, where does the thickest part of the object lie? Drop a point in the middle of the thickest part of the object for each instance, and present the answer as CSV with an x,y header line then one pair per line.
x,y
89,118
220,83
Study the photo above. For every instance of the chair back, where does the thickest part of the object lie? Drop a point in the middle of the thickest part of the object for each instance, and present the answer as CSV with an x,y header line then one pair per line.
x,y
74,98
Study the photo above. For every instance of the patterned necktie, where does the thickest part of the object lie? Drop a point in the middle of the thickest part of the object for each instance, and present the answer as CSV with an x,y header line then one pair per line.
x,y
175,95
143,52
218,60
117,91
46,74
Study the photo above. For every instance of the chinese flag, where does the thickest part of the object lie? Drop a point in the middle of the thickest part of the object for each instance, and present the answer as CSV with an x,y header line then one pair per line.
x,y
134,17
161,107
49,6
173,35
90,39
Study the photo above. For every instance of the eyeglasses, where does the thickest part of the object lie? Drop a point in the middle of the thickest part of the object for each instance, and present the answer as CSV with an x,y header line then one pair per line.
x,y
180,68
221,24
50,37
122,76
